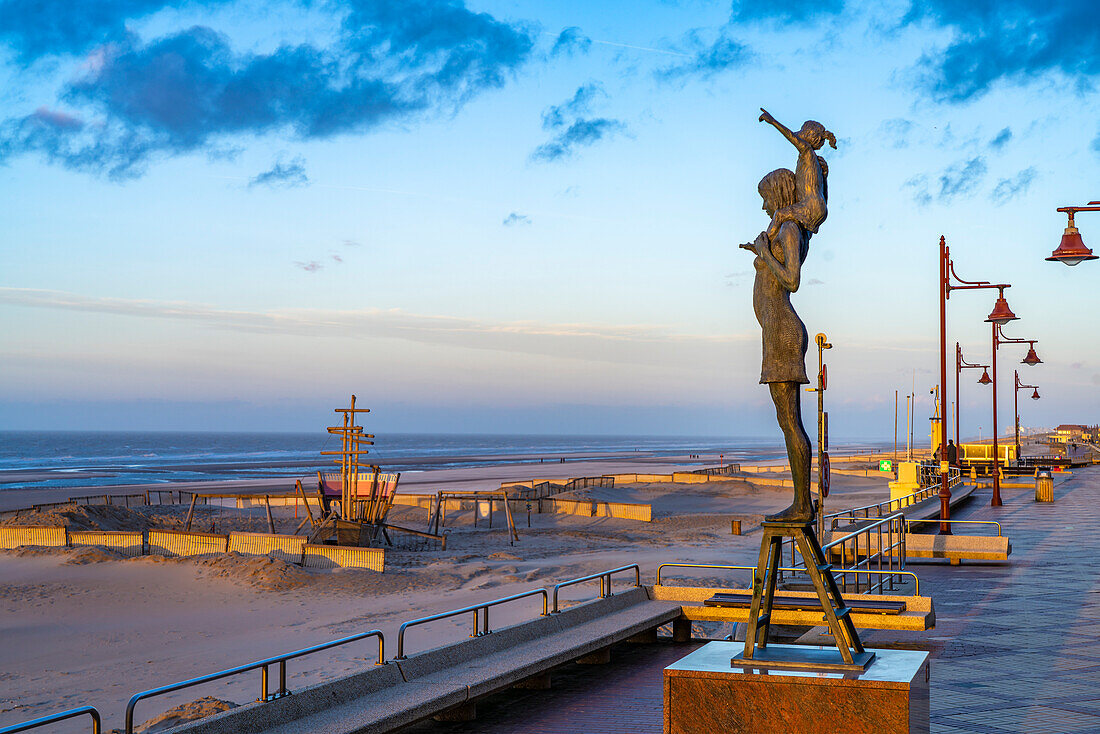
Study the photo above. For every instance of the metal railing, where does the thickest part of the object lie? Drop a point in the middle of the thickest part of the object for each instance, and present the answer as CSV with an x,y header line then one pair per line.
x,y
476,609
605,581
891,550
53,718
264,664
969,522
752,570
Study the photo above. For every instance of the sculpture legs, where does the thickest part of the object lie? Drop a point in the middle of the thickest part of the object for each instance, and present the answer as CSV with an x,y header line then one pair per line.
x,y
787,397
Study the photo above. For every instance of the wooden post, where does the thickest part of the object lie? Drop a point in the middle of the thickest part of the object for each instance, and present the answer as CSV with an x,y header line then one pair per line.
x,y
191,510
302,492
270,519
511,522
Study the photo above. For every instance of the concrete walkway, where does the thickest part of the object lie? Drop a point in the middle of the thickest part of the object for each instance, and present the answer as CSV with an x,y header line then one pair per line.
x,y
1016,646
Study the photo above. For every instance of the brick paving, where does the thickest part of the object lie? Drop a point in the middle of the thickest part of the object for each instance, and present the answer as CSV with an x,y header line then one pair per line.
x,y
1016,646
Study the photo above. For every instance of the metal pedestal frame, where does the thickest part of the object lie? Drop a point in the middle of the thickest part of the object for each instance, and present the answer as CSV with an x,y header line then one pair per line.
x,y
852,656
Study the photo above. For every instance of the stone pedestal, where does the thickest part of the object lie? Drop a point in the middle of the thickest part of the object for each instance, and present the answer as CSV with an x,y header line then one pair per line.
x,y
705,693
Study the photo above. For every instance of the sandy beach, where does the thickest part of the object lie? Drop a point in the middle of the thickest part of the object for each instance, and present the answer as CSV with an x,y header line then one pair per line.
x,y
84,626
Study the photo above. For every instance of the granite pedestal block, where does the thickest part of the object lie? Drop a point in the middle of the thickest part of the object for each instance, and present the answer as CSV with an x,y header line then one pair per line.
x,y
706,694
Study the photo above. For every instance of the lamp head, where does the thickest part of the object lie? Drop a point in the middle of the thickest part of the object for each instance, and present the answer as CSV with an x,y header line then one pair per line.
x,y
1035,395
984,379
1032,358
1071,250
1001,313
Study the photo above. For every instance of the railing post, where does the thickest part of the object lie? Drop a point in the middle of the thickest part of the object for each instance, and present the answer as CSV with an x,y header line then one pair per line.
x,y
263,683
282,679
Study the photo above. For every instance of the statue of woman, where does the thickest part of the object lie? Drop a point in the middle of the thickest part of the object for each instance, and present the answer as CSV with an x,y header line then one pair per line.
x,y
778,271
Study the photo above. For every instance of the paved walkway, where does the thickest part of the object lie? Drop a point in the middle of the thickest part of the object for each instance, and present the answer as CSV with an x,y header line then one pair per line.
x,y
1016,647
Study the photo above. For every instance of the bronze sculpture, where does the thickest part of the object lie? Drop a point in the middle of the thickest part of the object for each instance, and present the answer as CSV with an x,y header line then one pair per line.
x,y
797,205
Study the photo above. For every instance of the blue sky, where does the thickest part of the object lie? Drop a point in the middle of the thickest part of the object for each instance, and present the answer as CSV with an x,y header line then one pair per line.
x,y
524,216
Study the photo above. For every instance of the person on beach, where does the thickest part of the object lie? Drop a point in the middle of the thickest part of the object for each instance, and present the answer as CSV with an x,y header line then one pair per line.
x,y
810,206
778,267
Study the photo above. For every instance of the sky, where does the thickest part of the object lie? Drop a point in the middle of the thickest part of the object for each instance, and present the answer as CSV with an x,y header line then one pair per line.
x,y
524,216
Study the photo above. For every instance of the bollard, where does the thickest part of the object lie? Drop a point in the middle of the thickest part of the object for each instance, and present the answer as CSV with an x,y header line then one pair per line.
x,y
1044,486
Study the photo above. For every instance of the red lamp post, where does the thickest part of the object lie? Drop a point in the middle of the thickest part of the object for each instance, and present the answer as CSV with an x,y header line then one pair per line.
x,y
1031,359
960,365
1016,402
1071,250
1001,314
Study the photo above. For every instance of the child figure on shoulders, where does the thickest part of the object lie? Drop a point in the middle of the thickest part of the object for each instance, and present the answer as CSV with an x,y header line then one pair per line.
x,y
811,188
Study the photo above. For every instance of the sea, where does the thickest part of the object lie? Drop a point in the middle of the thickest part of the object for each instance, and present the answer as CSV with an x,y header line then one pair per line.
x,y
108,458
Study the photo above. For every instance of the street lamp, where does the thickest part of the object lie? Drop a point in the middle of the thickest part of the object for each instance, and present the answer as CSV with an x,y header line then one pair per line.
x,y
1071,250
998,340
1016,404
1001,314
960,365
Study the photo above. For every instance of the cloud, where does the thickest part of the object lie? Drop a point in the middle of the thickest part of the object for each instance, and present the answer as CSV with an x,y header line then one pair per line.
x,y
1013,41
190,90
919,187
1009,188
631,344
571,41
573,129
282,175
961,178
514,219
1001,138
351,243
787,11
1096,143
310,267
708,59
897,131
815,281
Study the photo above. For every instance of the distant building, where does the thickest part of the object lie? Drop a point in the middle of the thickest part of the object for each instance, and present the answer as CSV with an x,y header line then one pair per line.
x,y
1074,432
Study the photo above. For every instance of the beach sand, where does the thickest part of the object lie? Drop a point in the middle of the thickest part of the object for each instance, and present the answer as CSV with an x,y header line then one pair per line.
x,y
84,627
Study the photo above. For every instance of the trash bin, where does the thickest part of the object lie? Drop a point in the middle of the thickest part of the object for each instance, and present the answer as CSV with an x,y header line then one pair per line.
x,y
1044,486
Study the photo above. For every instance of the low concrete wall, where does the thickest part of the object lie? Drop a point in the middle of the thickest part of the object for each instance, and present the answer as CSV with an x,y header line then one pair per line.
x,y
125,542
284,547
334,556
174,543
31,535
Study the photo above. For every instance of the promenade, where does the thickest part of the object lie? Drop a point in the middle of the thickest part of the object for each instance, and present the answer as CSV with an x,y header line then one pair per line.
x,y
1016,646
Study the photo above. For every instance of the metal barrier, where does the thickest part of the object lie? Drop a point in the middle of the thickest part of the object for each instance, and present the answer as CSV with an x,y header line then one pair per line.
x,y
475,608
601,576
264,664
752,570
53,718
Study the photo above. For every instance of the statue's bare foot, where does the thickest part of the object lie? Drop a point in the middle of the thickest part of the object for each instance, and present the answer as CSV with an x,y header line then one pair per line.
x,y
798,512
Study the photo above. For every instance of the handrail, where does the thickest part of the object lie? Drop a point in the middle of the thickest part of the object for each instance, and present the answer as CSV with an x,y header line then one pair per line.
x,y
475,608
702,565
974,522
878,521
601,576
60,716
916,581
280,659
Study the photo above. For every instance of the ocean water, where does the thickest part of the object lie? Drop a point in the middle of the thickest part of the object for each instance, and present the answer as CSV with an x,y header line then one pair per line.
x,y
105,458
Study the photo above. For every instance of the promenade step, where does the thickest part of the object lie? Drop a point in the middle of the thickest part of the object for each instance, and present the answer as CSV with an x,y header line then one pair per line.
x,y
385,698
